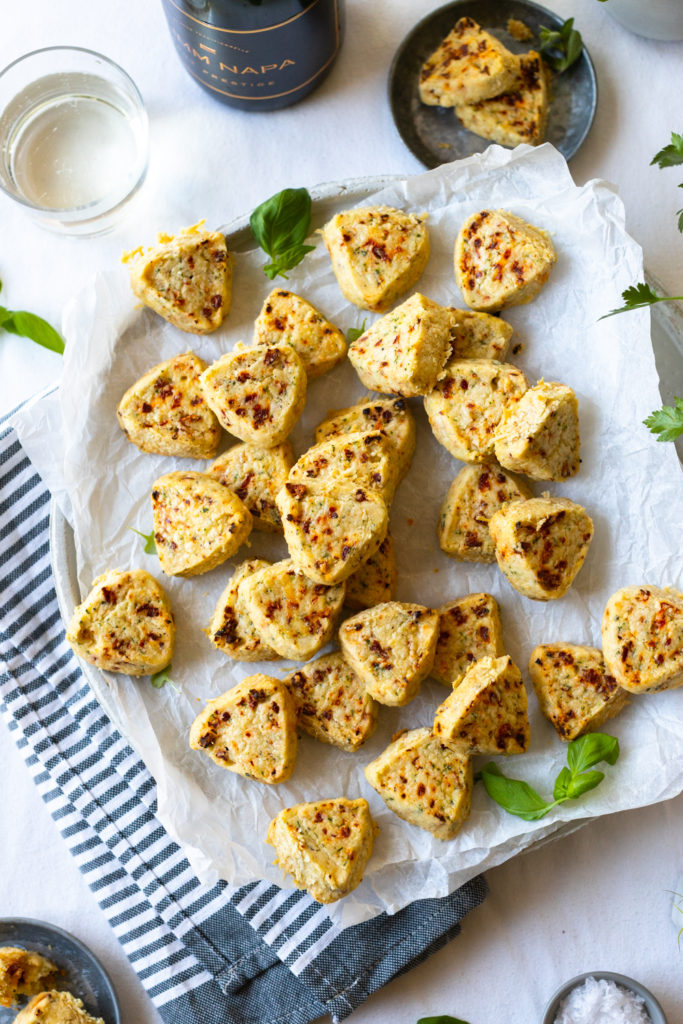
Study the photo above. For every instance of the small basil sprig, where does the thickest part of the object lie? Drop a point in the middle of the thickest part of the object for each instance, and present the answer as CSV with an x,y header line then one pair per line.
x,y
638,296
519,798
667,421
159,679
352,335
280,225
28,325
560,48
671,156
150,543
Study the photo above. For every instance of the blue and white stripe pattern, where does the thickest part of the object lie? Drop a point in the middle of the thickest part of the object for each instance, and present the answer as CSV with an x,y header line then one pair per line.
x,y
206,954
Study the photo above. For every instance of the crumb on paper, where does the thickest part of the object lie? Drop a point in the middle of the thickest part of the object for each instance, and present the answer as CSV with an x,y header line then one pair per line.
x,y
516,349
518,30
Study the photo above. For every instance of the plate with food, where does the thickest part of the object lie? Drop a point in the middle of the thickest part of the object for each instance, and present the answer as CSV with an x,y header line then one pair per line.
x,y
252,635
46,973
471,73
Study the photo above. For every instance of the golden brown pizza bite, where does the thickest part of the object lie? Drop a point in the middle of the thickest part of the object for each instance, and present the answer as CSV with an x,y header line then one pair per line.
x,y
324,845
231,629
165,412
256,475
541,543
478,335
575,691
469,629
55,1008
250,730
500,260
517,115
377,254
287,319
468,65
466,406
258,393
332,703
291,613
405,351
539,434
473,497
374,582
390,415
642,638
198,522
24,972
391,646
486,713
425,781
186,278
125,624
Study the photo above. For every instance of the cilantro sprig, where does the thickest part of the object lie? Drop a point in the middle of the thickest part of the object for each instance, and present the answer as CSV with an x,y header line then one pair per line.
x,y
352,335
159,679
671,156
560,48
667,421
28,325
150,543
517,797
280,225
638,296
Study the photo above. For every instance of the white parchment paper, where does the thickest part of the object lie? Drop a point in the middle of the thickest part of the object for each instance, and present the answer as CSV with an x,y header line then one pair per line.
x,y
630,485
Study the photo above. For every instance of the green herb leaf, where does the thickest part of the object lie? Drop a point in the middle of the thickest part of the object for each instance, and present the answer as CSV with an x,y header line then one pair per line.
x,y
680,216
671,155
562,784
150,543
667,421
354,333
513,795
561,48
159,679
582,784
591,749
441,1020
28,325
280,225
638,296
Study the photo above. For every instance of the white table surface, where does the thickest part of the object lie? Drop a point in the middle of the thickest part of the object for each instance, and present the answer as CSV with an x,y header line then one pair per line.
x,y
598,899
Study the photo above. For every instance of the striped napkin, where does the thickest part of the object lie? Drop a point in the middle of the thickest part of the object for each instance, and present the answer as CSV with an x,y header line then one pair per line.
x,y
204,954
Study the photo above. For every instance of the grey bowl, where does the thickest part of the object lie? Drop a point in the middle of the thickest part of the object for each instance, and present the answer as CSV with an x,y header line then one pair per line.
x,y
81,973
651,1004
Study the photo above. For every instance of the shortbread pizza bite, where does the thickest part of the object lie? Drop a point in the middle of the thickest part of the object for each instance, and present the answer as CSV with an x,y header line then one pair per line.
x,y
487,711
500,260
165,412
125,624
287,319
642,638
198,522
377,254
405,351
331,530
476,493
466,406
517,115
250,730
24,972
391,646
231,629
332,703
468,65
575,691
374,582
291,613
478,335
425,781
469,629
390,415
256,475
186,278
324,845
541,543
258,393
364,459
539,434
55,1007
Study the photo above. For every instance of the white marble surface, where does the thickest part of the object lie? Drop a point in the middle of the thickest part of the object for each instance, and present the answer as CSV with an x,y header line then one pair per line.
x,y
596,900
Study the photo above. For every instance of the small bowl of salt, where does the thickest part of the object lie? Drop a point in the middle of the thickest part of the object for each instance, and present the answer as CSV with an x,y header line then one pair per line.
x,y
602,997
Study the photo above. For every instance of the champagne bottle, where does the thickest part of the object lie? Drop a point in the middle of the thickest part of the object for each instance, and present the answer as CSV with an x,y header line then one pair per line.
x,y
256,54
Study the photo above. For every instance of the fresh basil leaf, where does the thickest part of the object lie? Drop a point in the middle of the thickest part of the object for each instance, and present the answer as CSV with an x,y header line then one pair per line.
x,y
282,221
560,49
591,749
287,260
28,325
667,421
671,155
514,795
562,784
583,783
150,543
443,1019
354,333
159,679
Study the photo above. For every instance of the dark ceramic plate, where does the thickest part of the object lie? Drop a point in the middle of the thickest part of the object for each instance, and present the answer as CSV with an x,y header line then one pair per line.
x,y
81,973
434,134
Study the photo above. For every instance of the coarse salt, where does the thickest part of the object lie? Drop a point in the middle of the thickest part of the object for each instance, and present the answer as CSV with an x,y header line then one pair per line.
x,y
599,1001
